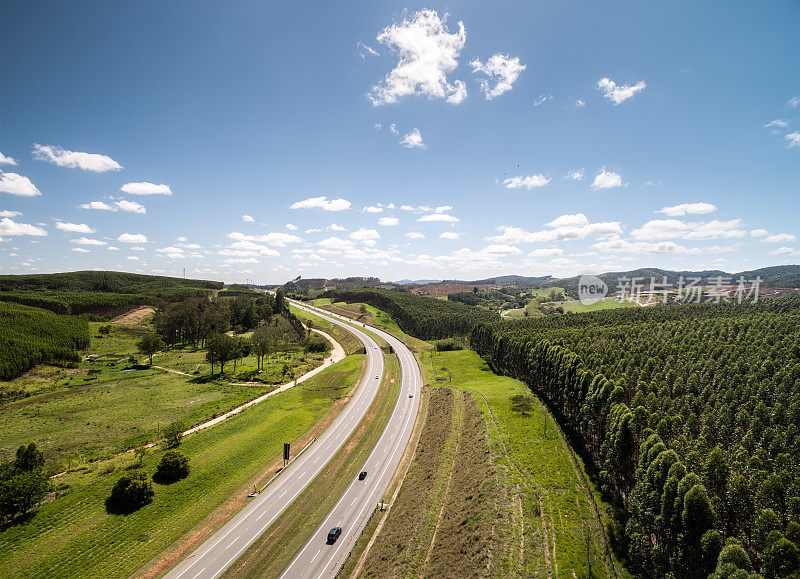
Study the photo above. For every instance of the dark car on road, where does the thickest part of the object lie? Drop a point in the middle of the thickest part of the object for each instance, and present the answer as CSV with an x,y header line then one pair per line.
x,y
333,534
362,475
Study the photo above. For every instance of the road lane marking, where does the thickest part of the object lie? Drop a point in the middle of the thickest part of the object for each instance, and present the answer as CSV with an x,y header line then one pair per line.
x,y
232,543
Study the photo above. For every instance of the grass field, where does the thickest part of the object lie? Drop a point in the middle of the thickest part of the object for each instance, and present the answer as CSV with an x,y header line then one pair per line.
x,y
606,304
80,415
562,533
275,549
73,536
348,341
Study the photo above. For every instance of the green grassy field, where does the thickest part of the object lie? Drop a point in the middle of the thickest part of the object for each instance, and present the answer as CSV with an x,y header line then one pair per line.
x,y
606,304
562,533
73,536
79,415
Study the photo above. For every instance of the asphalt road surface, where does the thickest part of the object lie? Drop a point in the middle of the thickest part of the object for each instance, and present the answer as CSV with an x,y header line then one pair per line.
x,y
317,558
220,550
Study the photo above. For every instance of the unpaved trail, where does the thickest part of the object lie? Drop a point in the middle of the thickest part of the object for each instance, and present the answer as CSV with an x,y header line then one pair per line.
x,y
133,317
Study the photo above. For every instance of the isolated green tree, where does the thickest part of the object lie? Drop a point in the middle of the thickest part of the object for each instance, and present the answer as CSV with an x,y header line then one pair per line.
x,y
173,433
130,493
29,458
172,467
149,345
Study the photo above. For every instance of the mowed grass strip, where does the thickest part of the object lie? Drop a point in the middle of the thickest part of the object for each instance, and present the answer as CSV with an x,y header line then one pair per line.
x,y
73,536
401,545
561,530
274,550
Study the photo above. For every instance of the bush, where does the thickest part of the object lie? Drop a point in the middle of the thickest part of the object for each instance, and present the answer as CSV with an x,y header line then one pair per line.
x,y
172,467
132,492
317,345
448,345
20,490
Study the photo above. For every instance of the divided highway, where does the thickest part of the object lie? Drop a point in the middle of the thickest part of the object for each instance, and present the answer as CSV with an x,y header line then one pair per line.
x,y
220,550
317,558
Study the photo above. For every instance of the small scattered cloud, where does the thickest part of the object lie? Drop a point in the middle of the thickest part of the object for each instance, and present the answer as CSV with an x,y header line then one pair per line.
x,y
779,238
323,203
688,209
130,206
546,252
8,213
365,50
503,69
365,235
541,99
777,123
336,227
274,238
145,188
132,238
442,217
388,221
618,94
415,235
74,227
81,250
291,227
7,160
529,182
427,51
87,241
97,206
247,218
413,140
75,159
793,139
606,180
450,235
19,185
794,102
758,233
576,175
580,103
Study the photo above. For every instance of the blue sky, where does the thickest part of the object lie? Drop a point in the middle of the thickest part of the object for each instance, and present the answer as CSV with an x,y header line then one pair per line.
x,y
252,140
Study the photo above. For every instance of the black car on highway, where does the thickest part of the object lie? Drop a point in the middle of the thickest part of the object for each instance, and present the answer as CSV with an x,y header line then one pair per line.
x,y
333,534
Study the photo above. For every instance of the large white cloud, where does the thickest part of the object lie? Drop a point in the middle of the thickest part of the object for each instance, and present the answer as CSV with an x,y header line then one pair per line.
x,y
688,208
322,203
500,68
606,180
14,184
132,238
145,188
75,159
526,182
618,94
10,228
427,52
74,227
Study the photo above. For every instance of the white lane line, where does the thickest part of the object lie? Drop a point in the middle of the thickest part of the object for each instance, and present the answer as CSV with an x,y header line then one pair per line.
x,y
232,543
198,573
283,493
314,557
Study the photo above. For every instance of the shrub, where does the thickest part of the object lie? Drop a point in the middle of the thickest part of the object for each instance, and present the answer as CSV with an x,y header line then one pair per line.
x,y
317,345
448,345
132,492
172,467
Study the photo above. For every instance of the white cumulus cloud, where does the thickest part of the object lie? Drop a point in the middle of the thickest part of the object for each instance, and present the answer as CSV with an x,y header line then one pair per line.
x,y
444,217
606,180
388,221
11,228
7,160
97,206
323,203
427,52
247,218
145,188
75,159
74,227
688,208
412,140
618,94
500,68
87,241
132,238
20,185
779,238
529,182
130,206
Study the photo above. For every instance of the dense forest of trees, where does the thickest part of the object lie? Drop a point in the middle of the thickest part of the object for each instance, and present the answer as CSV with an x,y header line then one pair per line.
x,y
30,336
691,416
425,318
99,292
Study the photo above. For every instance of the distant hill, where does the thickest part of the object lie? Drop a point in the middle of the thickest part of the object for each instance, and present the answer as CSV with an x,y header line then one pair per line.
x,y
415,281
512,280
783,276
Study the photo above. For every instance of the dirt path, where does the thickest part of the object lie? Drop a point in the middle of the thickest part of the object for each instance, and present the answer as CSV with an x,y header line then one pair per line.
x,y
136,316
